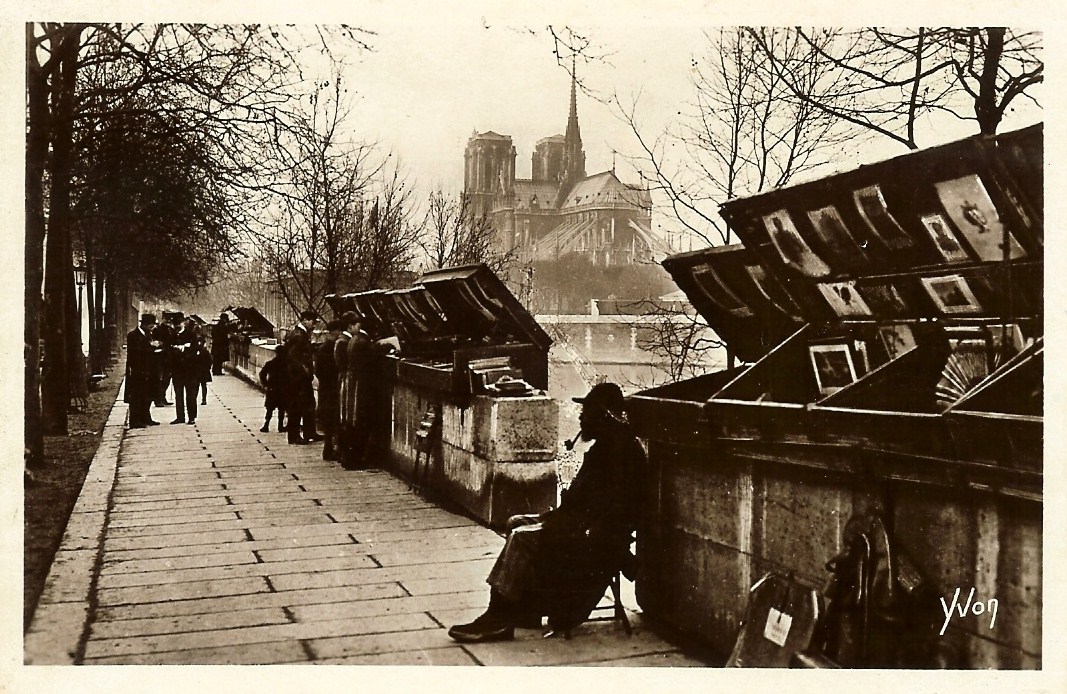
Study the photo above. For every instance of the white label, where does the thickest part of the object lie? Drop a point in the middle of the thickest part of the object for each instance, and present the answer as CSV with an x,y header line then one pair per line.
x,y
777,627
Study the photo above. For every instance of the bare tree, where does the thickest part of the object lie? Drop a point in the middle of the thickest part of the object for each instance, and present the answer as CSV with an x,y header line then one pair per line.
x,y
223,83
739,133
891,80
454,234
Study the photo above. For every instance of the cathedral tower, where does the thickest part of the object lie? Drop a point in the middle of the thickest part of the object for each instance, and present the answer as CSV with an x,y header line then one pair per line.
x,y
489,169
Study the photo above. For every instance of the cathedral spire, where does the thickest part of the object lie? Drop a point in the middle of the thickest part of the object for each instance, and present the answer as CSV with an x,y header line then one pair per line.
x,y
573,156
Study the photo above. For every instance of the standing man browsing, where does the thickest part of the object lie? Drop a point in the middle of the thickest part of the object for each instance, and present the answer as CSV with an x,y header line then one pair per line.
x,y
300,396
140,373
559,563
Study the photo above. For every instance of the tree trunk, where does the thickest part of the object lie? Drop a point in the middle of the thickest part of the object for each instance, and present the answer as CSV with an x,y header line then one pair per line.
x,y
36,151
59,276
91,307
985,106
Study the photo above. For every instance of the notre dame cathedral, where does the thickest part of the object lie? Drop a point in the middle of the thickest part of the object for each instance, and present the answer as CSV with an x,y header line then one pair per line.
x,y
560,211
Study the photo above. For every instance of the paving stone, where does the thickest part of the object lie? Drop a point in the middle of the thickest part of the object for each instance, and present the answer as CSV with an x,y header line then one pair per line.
x,y
225,547
178,503
194,561
175,540
475,600
260,616
589,643
257,634
135,520
373,644
291,598
446,655
452,554
182,591
141,530
228,571
461,573
270,653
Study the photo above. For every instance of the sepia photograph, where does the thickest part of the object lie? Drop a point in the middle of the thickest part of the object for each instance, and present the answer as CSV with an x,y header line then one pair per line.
x,y
392,334
834,368
792,247
944,239
952,294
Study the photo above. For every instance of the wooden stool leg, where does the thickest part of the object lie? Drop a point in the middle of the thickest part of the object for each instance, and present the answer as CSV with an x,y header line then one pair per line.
x,y
620,611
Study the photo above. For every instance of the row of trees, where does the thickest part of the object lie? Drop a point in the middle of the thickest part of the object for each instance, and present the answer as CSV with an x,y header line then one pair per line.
x,y
160,157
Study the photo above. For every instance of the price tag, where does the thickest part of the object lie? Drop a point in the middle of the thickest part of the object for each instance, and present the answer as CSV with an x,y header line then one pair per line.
x,y
777,627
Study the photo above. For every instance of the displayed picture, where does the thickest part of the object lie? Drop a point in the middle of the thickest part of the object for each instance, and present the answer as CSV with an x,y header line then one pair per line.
x,y
971,209
944,238
716,290
833,232
863,364
833,366
844,299
884,299
792,247
898,339
871,205
952,294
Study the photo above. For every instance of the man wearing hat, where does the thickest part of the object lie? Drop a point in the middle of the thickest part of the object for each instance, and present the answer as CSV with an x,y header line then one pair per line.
x,y
220,343
300,391
141,375
559,563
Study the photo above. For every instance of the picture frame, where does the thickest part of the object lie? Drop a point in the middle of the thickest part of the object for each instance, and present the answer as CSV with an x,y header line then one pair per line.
x,y
791,246
972,212
897,338
944,238
884,299
951,294
833,366
831,230
844,299
872,208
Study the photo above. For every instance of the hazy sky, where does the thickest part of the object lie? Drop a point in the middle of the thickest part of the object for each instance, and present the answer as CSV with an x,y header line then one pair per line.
x,y
432,81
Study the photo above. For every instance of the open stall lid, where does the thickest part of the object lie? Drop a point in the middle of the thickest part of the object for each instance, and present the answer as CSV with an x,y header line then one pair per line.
x,y
479,309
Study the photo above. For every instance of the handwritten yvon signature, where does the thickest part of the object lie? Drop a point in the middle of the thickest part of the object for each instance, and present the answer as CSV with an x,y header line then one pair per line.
x,y
972,606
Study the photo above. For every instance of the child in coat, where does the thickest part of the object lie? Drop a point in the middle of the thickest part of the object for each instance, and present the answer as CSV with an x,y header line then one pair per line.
x,y
273,378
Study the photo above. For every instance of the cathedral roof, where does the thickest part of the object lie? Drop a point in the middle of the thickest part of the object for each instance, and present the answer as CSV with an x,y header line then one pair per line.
x,y
525,189
490,135
605,189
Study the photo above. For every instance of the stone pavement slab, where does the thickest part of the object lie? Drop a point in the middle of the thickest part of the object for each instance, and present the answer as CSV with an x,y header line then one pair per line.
x,y
214,543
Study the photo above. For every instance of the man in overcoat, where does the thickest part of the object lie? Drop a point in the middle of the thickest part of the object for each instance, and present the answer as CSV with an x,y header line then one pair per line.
x,y
141,374
326,371
300,393
559,564
220,343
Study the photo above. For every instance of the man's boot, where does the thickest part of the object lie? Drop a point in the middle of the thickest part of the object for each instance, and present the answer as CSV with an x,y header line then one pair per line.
x,y
495,624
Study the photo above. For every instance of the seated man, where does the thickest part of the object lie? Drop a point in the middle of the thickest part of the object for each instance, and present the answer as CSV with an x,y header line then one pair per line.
x,y
560,563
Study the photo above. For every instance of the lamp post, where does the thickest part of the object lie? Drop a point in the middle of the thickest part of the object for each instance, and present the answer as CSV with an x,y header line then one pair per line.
x,y
80,278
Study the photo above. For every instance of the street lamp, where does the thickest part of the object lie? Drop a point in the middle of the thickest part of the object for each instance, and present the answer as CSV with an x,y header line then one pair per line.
x,y
80,278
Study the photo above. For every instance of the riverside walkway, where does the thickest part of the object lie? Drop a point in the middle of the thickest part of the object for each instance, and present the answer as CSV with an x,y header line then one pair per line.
x,y
214,543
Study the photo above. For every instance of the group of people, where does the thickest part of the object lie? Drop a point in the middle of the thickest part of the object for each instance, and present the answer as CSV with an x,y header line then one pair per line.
x,y
159,355
342,361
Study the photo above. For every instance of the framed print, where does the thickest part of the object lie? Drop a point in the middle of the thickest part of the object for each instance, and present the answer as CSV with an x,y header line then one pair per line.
x,y
947,244
897,339
833,366
872,208
952,294
792,247
884,299
971,209
839,240
844,299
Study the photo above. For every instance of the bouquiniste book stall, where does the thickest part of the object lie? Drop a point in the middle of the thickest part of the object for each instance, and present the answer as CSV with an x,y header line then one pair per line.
x,y
888,326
